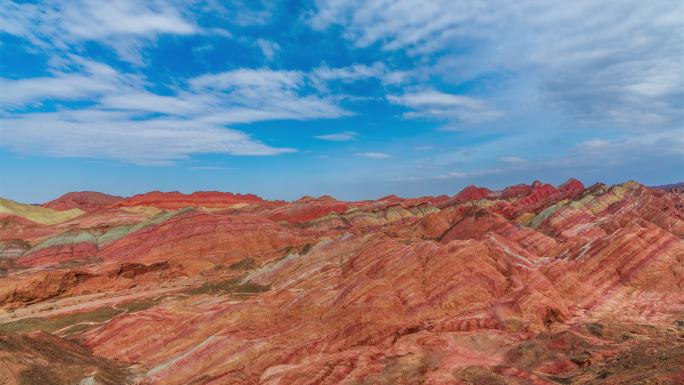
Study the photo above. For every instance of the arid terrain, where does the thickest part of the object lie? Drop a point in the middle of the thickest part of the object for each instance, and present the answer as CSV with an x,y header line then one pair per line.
x,y
533,284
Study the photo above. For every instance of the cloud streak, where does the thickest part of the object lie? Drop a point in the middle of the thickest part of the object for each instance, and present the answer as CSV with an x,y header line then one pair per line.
x,y
123,25
116,135
374,155
268,48
124,121
345,136
431,104
614,63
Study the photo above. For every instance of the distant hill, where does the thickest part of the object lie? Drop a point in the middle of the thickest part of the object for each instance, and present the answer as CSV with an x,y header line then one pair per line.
x,y
84,200
672,186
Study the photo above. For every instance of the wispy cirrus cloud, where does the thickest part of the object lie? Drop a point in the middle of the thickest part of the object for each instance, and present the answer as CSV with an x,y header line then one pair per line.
x,y
213,168
660,143
249,95
449,175
374,155
118,135
350,73
513,160
89,80
345,136
431,104
356,72
600,63
586,160
424,148
242,12
127,122
238,96
72,21
268,48
125,25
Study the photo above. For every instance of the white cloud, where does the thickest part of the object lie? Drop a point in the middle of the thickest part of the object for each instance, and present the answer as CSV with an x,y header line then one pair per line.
x,y
668,142
243,13
268,48
345,136
116,122
213,168
452,175
92,79
143,101
356,72
93,20
424,148
589,156
595,143
432,104
374,155
247,79
513,160
124,25
611,63
203,49
64,86
398,77
595,154
250,95
239,96
116,135
470,174
400,24
351,73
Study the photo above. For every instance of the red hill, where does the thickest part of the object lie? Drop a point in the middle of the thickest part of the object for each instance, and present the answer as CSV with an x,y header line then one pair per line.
x,y
84,200
472,193
176,200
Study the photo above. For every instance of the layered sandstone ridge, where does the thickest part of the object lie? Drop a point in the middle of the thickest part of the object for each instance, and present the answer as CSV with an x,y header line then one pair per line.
x,y
177,200
83,200
533,284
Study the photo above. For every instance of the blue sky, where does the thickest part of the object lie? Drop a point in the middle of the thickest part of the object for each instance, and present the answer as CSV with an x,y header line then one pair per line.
x,y
356,99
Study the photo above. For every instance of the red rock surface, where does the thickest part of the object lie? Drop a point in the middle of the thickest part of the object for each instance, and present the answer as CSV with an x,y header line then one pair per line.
x,y
217,237
176,200
572,188
308,208
534,284
517,191
472,193
84,200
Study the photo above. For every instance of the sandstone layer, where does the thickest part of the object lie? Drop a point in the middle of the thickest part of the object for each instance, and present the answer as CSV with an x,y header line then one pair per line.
x,y
533,284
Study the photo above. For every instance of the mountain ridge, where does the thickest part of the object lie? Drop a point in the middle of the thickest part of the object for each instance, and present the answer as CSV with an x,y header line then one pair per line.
x,y
533,283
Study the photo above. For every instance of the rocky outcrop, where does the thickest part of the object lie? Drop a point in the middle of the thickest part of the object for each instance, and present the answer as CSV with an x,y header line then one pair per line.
x,y
43,285
42,358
